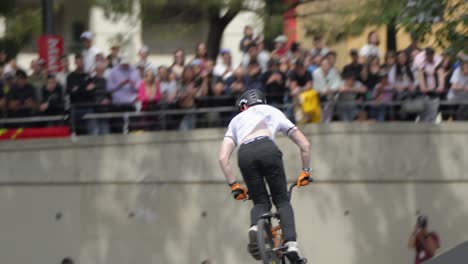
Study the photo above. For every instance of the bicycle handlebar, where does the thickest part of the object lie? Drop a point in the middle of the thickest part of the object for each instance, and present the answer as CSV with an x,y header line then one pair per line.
x,y
295,184
289,191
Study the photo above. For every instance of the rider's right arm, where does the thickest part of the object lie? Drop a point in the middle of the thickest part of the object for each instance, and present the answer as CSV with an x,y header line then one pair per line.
x,y
227,147
301,141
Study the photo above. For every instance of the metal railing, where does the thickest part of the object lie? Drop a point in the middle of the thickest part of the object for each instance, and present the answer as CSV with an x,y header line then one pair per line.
x,y
34,119
163,114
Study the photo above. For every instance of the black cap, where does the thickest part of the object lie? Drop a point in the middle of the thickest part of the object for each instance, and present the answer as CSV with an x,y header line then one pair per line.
x,y
353,52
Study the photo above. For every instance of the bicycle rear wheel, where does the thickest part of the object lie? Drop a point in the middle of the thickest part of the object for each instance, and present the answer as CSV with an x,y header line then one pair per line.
x,y
265,243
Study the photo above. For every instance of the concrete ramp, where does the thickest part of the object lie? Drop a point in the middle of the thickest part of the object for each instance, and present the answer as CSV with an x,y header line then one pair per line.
x,y
457,255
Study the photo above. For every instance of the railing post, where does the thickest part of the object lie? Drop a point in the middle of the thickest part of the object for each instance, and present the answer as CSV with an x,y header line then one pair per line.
x,y
72,119
126,123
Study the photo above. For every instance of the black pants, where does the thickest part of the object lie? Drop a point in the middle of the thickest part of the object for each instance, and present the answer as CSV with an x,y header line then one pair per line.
x,y
258,161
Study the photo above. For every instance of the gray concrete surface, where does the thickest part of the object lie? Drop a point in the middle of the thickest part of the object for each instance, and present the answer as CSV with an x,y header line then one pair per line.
x,y
160,197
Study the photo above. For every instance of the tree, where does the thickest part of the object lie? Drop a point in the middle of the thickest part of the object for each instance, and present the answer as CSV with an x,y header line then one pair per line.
x,y
218,13
21,24
450,18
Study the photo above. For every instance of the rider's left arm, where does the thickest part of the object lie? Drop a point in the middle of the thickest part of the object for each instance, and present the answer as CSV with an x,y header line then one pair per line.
x,y
227,147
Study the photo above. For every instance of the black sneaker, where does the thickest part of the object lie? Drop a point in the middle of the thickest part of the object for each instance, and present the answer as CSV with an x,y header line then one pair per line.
x,y
252,247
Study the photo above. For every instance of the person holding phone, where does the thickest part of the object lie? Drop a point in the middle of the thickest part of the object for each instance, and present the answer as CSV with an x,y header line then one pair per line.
x,y
425,243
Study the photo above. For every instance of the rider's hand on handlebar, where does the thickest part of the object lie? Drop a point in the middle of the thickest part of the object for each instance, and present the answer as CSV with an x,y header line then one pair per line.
x,y
239,192
303,179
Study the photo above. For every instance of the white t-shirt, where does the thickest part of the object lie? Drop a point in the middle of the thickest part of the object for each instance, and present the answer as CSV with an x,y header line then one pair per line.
x,y
258,116
89,58
459,78
368,50
220,69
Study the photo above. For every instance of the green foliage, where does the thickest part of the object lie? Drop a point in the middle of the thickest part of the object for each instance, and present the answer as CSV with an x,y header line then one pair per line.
x,y
21,24
449,19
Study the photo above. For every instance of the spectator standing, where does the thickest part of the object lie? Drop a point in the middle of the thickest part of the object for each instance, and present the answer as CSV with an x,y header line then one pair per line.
x,y
331,57
101,98
7,85
274,82
236,84
11,67
122,84
401,77
247,39
144,61
444,73
223,68
252,53
427,76
186,98
263,55
313,63
253,78
300,80
38,77
81,93
52,102
372,46
295,52
390,60
178,64
77,84
280,46
319,47
168,86
201,54
326,81
383,94
149,91
349,93
371,75
21,98
113,59
423,241
61,76
89,51
284,65
459,89
354,67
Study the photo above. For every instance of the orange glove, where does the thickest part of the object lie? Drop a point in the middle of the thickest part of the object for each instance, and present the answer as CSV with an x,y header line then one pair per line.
x,y
238,192
303,179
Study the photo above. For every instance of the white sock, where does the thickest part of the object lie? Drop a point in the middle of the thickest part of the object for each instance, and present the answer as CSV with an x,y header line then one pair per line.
x,y
292,246
253,228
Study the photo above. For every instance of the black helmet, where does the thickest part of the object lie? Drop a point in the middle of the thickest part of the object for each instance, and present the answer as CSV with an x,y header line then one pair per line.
x,y
251,97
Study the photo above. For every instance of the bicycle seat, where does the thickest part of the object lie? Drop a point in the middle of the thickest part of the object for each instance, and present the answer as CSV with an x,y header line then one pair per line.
x,y
270,215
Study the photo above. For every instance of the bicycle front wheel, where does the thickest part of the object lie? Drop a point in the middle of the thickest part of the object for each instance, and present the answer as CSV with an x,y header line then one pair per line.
x,y
266,243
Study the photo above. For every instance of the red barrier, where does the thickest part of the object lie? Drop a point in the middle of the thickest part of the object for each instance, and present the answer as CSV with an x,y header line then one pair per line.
x,y
41,132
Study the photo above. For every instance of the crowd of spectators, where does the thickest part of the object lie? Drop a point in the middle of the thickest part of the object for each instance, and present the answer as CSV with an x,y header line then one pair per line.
x,y
306,84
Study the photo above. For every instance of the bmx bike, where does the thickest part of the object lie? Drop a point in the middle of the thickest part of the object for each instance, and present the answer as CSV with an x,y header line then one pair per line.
x,y
270,236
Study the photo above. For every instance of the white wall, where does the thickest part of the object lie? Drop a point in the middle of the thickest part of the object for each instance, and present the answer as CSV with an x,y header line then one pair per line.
x,y
160,197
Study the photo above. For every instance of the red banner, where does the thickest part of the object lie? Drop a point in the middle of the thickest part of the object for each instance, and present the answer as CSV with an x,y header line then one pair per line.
x,y
50,50
42,132
290,25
